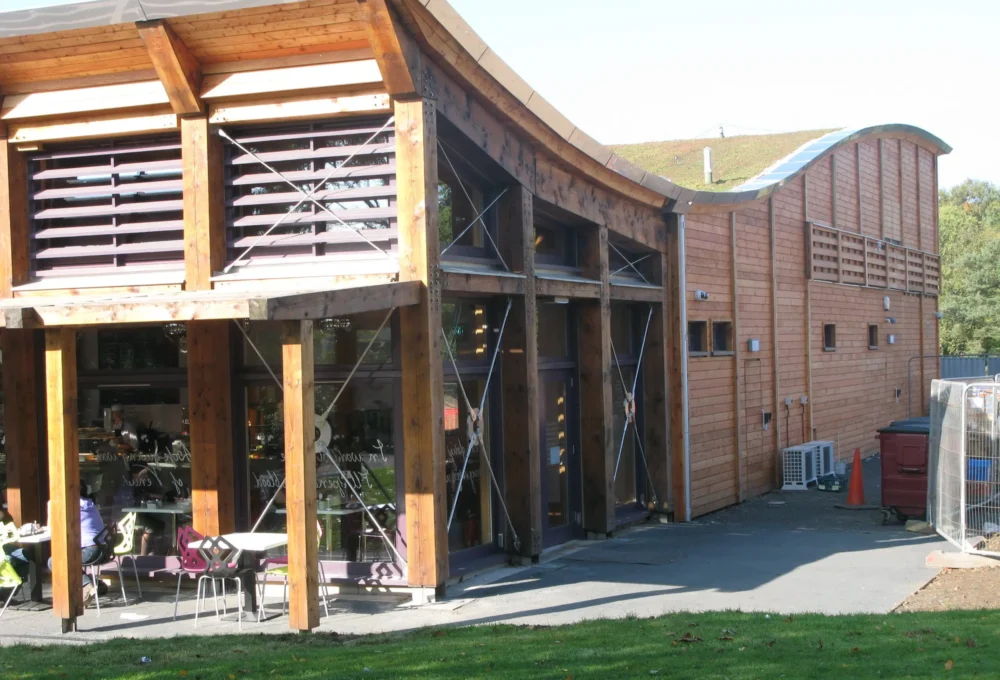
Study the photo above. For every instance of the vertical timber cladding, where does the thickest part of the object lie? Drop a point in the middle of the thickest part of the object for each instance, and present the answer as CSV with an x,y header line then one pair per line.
x,y
64,474
420,340
594,329
655,399
522,463
711,377
15,245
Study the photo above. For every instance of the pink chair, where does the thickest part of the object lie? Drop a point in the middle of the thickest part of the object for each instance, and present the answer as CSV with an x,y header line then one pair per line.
x,y
192,561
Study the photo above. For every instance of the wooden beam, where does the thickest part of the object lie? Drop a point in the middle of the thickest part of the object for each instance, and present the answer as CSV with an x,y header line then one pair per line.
x,y
90,127
522,461
300,474
299,108
655,399
64,474
204,203
574,290
175,66
737,360
345,74
343,302
21,420
776,386
82,100
677,325
621,292
15,239
596,417
420,342
395,51
483,283
210,410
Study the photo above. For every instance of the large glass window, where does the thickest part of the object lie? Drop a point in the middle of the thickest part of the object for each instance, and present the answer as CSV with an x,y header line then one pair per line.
x,y
555,396
472,524
625,364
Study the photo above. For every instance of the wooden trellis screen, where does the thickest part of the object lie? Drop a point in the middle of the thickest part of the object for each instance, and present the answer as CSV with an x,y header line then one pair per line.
x,y
846,257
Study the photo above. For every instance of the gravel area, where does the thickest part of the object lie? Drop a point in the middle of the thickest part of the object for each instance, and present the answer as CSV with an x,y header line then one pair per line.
x,y
956,589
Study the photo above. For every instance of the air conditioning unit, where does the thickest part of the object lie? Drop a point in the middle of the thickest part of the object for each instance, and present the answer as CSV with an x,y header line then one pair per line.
x,y
826,457
799,467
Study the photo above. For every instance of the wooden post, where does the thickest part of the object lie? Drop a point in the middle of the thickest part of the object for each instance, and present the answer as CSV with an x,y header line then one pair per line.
x,y
737,362
522,462
596,415
15,240
677,326
210,409
420,340
776,386
24,502
655,402
204,226
64,475
833,189
300,475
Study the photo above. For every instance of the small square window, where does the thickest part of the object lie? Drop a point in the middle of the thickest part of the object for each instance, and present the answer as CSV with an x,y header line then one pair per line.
x,y
722,337
872,336
698,338
829,337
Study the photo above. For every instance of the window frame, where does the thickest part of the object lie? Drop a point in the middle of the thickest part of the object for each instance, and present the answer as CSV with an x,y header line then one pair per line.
x,y
828,347
704,323
731,335
873,327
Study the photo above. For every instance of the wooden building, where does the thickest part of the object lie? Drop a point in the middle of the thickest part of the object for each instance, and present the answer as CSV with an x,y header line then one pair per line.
x,y
330,267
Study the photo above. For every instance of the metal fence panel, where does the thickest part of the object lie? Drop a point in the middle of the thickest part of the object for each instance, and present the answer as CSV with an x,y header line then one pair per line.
x,y
993,366
962,367
964,464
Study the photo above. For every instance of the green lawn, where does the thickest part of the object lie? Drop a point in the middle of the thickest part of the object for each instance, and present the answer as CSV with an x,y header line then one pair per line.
x,y
714,645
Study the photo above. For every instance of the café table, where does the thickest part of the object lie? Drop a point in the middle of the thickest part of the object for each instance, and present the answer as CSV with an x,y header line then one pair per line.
x,y
328,515
35,543
253,543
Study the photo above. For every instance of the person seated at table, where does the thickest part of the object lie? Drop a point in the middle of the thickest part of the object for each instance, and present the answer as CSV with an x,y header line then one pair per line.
x,y
91,524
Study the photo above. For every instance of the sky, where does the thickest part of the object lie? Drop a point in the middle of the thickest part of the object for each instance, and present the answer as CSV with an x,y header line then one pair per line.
x,y
646,70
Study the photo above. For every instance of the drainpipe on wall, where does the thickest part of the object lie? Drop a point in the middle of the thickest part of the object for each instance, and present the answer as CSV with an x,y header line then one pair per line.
x,y
682,294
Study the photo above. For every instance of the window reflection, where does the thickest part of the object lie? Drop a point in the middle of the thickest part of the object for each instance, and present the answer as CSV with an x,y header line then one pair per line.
x,y
472,524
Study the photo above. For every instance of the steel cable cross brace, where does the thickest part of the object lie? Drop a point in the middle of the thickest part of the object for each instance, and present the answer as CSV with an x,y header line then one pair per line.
x,y
322,445
474,424
629,405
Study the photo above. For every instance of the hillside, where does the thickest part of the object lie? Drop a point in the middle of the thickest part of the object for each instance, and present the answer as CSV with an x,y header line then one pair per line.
x,y
735,159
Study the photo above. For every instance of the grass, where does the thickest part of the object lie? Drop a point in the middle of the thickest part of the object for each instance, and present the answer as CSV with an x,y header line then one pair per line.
x,y
711,645
734,159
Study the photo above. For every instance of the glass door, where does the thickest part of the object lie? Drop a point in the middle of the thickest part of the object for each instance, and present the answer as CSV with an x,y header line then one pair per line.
x,y
559,457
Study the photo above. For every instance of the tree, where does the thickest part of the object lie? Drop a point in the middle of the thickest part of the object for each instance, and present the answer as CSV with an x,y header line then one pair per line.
x,y
970,268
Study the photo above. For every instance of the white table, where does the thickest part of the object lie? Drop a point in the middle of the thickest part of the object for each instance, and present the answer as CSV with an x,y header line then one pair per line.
x,y
248,542
35,541
172,509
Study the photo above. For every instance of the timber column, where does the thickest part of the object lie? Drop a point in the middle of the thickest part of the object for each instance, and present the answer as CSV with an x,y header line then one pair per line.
x,y
522,462
21,425
64,475
597,451
655,404
420,342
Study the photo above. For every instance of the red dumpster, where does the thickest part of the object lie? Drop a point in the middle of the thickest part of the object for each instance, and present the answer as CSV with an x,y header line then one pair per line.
x,y
904,468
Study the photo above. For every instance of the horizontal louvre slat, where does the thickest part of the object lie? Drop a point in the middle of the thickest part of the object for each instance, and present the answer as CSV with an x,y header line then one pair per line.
x,y
314,154
100,210
307,155
97,251
166,186
333,195
326,237
110,229
387,170
107,206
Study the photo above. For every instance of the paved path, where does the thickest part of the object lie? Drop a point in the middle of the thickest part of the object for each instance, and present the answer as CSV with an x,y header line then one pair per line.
x,y
782,553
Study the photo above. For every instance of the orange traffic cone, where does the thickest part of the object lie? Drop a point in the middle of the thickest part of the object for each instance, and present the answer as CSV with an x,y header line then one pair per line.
x,y
856,489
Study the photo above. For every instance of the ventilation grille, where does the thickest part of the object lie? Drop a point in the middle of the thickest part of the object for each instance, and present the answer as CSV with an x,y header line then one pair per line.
x,y
107,206
360,194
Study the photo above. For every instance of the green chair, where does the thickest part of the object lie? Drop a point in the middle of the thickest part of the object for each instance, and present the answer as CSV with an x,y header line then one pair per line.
x,y
126,548
278,568
9,578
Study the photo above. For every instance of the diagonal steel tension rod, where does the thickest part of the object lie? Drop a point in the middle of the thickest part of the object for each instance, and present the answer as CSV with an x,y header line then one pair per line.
x,y
326,451
472,223
629,404
479,217
475,437
629,263
306,195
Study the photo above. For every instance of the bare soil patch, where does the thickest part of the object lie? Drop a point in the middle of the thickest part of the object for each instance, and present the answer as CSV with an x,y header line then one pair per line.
x,y
957,589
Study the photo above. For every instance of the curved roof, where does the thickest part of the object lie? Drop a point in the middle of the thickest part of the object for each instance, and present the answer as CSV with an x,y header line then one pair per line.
x,y
676,197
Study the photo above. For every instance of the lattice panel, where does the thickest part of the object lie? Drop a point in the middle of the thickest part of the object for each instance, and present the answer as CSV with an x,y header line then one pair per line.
x,y
896,262
878,272
825,248
914,271
852,259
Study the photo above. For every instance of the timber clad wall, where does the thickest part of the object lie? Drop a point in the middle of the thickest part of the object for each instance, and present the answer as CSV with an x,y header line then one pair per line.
x,y
851,391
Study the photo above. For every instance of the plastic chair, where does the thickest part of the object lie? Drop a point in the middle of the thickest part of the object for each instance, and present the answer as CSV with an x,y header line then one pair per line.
x,y
278,567
9,578
223,564
372,534
126,548
105,540
191,560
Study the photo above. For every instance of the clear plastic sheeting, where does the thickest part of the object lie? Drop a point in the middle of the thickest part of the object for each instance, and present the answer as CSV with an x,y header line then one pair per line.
x,y
964,464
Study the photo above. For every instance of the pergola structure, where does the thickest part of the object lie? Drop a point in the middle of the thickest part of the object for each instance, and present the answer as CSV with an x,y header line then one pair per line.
x,y
257,126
